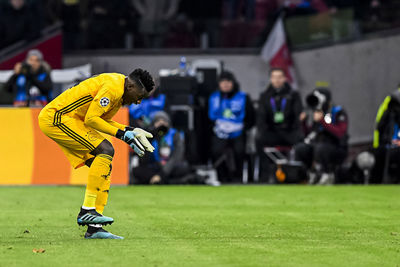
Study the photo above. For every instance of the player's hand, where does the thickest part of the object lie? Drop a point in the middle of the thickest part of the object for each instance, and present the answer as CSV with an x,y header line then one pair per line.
x,y
129,138
137,139
141,135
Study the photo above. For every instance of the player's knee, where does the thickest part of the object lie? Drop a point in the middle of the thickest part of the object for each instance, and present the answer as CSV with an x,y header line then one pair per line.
x,y
105,148
108,149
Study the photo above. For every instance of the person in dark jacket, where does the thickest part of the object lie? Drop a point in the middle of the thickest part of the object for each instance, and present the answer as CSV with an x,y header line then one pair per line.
x,y
31,81
17,23
325,147
278,118
231,113
106,21
166,165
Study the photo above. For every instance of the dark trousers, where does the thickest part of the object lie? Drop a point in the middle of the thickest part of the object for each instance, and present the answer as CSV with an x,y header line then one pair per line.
x,y
229,155
273,139
329,156
377,172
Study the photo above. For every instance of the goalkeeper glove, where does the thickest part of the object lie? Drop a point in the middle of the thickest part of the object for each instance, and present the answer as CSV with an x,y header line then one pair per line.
x,y
137,139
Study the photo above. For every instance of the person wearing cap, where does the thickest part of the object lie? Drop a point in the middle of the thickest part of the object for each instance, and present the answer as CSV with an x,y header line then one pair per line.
x,y
278,124
232,113
386,145
326,145
31,81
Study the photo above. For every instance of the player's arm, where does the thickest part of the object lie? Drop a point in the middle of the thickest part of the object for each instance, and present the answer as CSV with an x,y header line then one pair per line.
x,y
118,125
93,118
103,102
108,119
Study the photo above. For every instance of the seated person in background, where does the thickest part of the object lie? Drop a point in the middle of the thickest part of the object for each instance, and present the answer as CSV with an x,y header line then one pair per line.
x,y
325,146
278,118
141,115
31,81
166,165
387,139
232,113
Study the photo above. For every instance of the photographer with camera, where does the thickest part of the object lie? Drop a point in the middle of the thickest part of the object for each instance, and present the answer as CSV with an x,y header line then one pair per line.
x,y
167,164
325,146
31,81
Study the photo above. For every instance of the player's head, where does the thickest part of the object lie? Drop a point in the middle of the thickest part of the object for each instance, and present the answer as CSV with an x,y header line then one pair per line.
x,y
277,78
138,85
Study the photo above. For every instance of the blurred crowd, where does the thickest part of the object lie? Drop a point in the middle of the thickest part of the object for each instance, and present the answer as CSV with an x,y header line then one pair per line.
x,y
294,143
99,24
315,135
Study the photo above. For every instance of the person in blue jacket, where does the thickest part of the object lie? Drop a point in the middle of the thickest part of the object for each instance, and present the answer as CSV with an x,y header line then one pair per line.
x,y
31,81
142,115
231,113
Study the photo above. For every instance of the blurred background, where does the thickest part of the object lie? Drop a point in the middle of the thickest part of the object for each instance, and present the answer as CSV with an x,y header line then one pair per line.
x,y
248,91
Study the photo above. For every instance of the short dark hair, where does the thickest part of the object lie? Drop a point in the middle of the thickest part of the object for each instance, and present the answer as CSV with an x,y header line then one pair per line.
x,y
277,69
142,78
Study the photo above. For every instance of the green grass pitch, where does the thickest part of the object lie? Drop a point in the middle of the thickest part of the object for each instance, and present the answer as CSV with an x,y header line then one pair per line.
x,y
206,226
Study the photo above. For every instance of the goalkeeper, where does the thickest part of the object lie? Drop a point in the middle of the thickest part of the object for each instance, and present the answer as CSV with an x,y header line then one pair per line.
x,y
75,118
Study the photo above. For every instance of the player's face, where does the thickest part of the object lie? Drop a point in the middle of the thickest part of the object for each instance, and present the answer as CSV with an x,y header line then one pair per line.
x,y
277,79
133,93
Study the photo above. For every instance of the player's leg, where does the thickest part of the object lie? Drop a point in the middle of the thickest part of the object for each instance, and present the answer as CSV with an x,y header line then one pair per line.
x,y
99,178
102,195
105,148
98,185
99,174
77,142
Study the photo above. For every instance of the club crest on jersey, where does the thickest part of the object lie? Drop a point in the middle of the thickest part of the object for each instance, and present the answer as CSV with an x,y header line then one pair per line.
x,y
104,101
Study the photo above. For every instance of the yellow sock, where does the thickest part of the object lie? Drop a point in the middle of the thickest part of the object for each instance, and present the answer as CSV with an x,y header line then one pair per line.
x,y
102,196
99,173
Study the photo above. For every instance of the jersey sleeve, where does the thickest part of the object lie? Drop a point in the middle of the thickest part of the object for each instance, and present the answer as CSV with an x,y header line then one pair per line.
x,y
108,118
103,102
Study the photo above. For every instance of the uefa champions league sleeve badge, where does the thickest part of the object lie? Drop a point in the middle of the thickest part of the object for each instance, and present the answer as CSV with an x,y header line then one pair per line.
x,y
104,101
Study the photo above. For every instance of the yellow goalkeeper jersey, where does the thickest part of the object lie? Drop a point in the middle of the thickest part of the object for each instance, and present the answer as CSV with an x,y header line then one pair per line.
x,y
99,96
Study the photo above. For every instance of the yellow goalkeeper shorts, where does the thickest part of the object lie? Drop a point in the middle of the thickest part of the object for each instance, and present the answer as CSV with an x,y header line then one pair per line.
x,y
71,134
